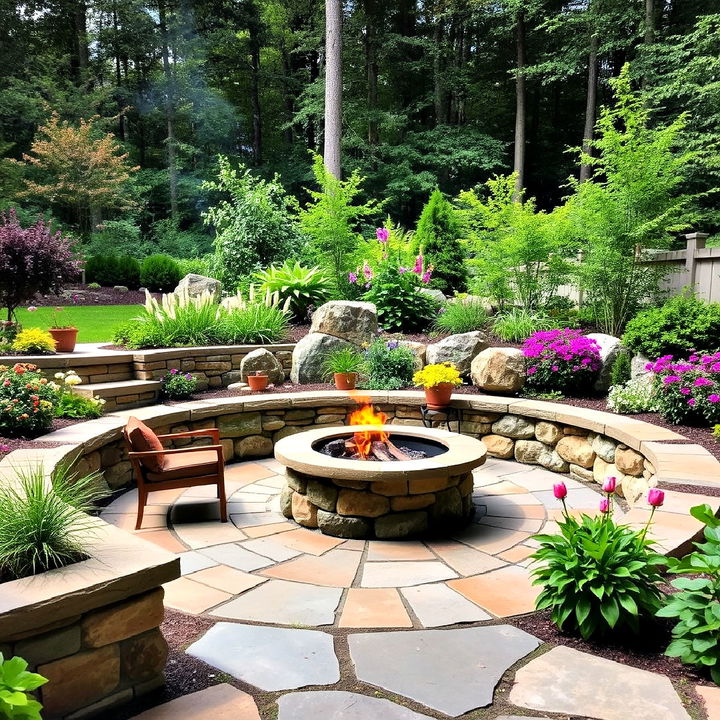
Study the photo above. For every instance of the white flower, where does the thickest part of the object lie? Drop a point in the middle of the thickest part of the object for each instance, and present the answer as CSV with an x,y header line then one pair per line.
x,y
59,376
72,380
53,385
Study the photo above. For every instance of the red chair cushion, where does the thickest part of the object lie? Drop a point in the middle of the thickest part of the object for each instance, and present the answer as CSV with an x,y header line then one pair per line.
x,y
187,465
143,439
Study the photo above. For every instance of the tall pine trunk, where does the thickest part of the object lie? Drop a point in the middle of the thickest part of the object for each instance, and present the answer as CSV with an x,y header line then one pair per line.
x,y
438,89
169,112
333,87
372,73
590,106
520,102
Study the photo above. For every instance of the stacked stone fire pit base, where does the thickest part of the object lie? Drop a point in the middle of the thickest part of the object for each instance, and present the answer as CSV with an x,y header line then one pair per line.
x,y
364,499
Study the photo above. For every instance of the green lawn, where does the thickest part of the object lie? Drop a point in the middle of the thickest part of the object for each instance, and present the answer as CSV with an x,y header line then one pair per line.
x,y
95,323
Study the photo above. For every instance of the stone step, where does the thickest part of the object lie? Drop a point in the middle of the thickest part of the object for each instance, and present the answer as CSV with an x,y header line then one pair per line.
x,y
122,394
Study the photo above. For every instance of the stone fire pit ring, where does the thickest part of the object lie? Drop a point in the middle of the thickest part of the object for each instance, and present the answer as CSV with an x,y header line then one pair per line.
x,y
359,499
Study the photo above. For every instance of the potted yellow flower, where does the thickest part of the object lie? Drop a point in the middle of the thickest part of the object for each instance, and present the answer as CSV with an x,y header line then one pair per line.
x,y
438,381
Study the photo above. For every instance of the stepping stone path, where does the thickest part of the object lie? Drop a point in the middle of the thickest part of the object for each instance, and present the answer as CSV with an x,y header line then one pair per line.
x,y
222,702
452,671
569,681
269,658
337,704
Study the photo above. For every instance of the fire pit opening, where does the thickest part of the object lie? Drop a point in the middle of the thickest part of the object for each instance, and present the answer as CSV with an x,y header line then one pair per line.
x,y
393,448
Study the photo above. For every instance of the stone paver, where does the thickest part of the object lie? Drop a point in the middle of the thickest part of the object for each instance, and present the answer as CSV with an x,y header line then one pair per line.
x,y
310,542
402,574
193,561
227,579
463,559
237,557
451,671
223,701
504,592
568,681
271,548
437,605
337,705
398,550
711,698
205,534
336,568
269,658
284,603
374,608
192,597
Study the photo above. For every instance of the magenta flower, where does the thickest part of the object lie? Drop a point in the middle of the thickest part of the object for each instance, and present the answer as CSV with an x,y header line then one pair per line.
x,y
426,277
671,379
610,484
604,505
173,371
4,448
685,391
402,270
703,381
419,262
382,235
554,368
560,490
531,370
352,278
367,271
714,398
656,497
691,402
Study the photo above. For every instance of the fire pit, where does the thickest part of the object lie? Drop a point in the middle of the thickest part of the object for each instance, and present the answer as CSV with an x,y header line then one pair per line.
x,y
377,480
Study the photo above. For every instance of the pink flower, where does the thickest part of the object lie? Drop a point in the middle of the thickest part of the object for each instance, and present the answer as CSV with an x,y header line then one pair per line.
x,y
656,497
671,379
4,448
685,391
367,271
691,402
554,368
426,277
352,278
402,270
610,484
531,370
32,308
382,234
703,381
419,261
560,490
713,398
604,505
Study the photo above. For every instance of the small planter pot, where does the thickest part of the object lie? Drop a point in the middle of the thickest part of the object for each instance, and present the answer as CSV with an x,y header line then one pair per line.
x,y
65,338
345,381
438,396
257,382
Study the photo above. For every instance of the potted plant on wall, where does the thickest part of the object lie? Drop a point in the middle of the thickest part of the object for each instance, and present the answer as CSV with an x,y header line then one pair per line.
x,y
65,336
438,380
343,366
258,380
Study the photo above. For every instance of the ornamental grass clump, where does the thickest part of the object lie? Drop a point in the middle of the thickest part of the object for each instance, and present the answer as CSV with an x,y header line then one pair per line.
x,y
598,577
563,360
688,391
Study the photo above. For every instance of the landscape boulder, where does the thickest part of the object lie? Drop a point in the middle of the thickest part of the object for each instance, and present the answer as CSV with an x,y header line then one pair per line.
x,y
499,369
355,322
609,349
458,349
419,350
309,354
437,295
262,359
196,285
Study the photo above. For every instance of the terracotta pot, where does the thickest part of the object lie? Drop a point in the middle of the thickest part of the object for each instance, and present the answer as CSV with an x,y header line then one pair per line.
x,y
257,382
65,338
438,396
345,381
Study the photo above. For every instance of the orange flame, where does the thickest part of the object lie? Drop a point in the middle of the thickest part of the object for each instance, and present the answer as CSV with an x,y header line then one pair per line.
x,y
367,415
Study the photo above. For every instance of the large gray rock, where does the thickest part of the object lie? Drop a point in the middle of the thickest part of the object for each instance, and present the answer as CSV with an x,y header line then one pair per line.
x,y
309,353
262,359
437,295
637,367
499,369
609,349
355,322
458,349
196,285
419,350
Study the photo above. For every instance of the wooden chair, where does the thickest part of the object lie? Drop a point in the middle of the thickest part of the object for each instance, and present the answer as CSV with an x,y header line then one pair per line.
x,y
157,468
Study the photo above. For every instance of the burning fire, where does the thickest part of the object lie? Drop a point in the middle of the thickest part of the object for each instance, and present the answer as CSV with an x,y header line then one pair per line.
x,y
367,415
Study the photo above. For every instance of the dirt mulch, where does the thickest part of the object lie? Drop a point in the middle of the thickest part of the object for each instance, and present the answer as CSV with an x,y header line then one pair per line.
x,y
80,295
32,441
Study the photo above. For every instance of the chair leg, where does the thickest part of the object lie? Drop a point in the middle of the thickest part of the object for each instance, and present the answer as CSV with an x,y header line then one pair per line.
x,y
223,501
142,499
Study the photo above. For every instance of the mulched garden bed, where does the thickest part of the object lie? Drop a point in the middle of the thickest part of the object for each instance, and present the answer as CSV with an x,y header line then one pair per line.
x,y
83,296
18,443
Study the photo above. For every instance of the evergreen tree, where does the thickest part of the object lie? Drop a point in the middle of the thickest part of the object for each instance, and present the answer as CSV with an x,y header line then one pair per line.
x,y
438,236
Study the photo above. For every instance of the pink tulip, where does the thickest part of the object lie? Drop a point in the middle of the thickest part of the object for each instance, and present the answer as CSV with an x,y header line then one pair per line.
x,y
560,490
656,497
610,484
604,505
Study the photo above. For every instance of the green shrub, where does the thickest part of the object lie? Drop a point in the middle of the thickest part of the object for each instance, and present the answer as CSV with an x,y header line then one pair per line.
x,y
160,273
110,270
597,576
461,316
696,637
621,369
303,287
678,327
44,525
388,366
26,400
34,341
518,324
16,684
70,405
177,385
634,396
93,286
196,266
437,236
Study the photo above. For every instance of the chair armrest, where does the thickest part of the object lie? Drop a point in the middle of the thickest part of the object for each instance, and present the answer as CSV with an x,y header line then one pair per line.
x,y
213,433
197,448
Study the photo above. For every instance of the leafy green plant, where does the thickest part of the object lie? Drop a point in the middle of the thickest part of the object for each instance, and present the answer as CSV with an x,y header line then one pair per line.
x,y
678,327
43,521
303,287
634,396
437,236
16,684
517,324
177,385
461,316
597,576
196,265
93,286
388,366
621,369
34,341
109,270
342,360
71,405
159,273
696,637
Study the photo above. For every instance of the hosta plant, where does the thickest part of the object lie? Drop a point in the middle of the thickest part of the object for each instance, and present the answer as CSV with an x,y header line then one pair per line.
x,y
16,684
303,287
597,576
696,637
